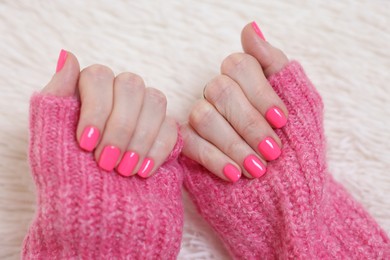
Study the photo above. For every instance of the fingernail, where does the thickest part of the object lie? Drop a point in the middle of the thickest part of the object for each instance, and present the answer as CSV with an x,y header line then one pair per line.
x,y
146,167
269,149
128,163
254,166
231,172
89,138
276,117
61,60
109,157
257,30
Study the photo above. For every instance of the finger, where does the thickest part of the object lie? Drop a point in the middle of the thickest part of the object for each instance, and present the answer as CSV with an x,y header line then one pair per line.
x,y
95,88
226,95
64,81
148,126
211,126
247,72
271,59
128,93
161,148
205,153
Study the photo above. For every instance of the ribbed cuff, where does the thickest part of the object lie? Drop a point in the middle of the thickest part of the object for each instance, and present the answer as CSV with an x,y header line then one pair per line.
x,y
295,88
55,119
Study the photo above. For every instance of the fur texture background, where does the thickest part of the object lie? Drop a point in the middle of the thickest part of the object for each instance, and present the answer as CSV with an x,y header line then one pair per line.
x,y
177,46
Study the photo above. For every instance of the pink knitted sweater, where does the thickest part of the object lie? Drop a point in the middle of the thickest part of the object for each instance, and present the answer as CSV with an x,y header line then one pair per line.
x,y
296,210
86,213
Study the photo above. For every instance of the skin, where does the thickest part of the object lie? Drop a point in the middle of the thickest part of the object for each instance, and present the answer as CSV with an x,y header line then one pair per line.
x,y
217,133
128,115
124,110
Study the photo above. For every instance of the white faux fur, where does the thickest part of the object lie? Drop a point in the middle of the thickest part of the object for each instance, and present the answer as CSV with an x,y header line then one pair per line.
x,y
177,46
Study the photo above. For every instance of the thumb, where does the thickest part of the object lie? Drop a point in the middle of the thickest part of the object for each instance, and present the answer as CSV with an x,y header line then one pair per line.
x,y
271,59
64,81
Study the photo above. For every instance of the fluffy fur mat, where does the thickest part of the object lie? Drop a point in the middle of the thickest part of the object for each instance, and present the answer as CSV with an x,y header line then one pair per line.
x,y
177,46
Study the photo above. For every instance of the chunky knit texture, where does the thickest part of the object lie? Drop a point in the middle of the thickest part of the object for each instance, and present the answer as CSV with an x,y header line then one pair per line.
x,y
297,210
86,213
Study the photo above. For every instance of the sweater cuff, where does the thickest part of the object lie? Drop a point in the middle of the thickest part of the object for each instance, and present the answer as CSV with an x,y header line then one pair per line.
x,y
295,88
53,123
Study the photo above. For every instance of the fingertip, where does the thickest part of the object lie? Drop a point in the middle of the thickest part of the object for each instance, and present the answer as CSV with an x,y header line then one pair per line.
x,y
231,172
64,81
146,168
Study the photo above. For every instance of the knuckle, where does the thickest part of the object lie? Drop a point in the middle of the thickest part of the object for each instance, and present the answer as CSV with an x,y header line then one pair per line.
x,y
236,62
156,97
249,123
129,81
98,71
206,155
122,127
259,93
201,115
220,88
233,146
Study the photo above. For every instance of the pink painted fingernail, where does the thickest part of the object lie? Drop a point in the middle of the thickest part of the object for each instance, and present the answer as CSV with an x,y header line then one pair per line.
x,y
231,172
257,30
254,166
89,138
146,167
269,149
109,157
61,60
276,117
128,163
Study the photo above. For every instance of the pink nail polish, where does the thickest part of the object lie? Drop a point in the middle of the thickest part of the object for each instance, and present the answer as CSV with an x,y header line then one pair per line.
x,y
269,149
257,30
231,172
109,157
146,167
276,117
89,138
254,166
61,60
128,163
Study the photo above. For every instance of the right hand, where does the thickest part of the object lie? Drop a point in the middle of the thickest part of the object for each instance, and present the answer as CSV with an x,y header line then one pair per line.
x,y
230,131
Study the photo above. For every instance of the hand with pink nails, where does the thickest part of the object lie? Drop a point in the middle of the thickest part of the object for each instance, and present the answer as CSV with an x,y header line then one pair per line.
x,y
121,121
235,121
83,125
263,111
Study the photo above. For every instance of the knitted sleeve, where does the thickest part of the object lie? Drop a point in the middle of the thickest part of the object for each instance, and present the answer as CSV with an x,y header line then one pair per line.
x,y
296,210
86,213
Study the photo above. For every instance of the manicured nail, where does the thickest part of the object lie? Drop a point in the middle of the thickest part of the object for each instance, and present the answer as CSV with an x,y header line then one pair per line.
x,y
146,167
276,117
254,166
269,149
89,138
109,157
231,172
128,163
61,60
257,30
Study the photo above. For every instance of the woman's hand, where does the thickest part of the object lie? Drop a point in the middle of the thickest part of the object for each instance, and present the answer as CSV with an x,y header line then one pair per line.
x,y
230,131
121,120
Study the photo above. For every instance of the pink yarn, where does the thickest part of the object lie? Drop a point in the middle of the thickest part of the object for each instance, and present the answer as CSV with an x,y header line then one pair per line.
x,y
86,213
296,210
